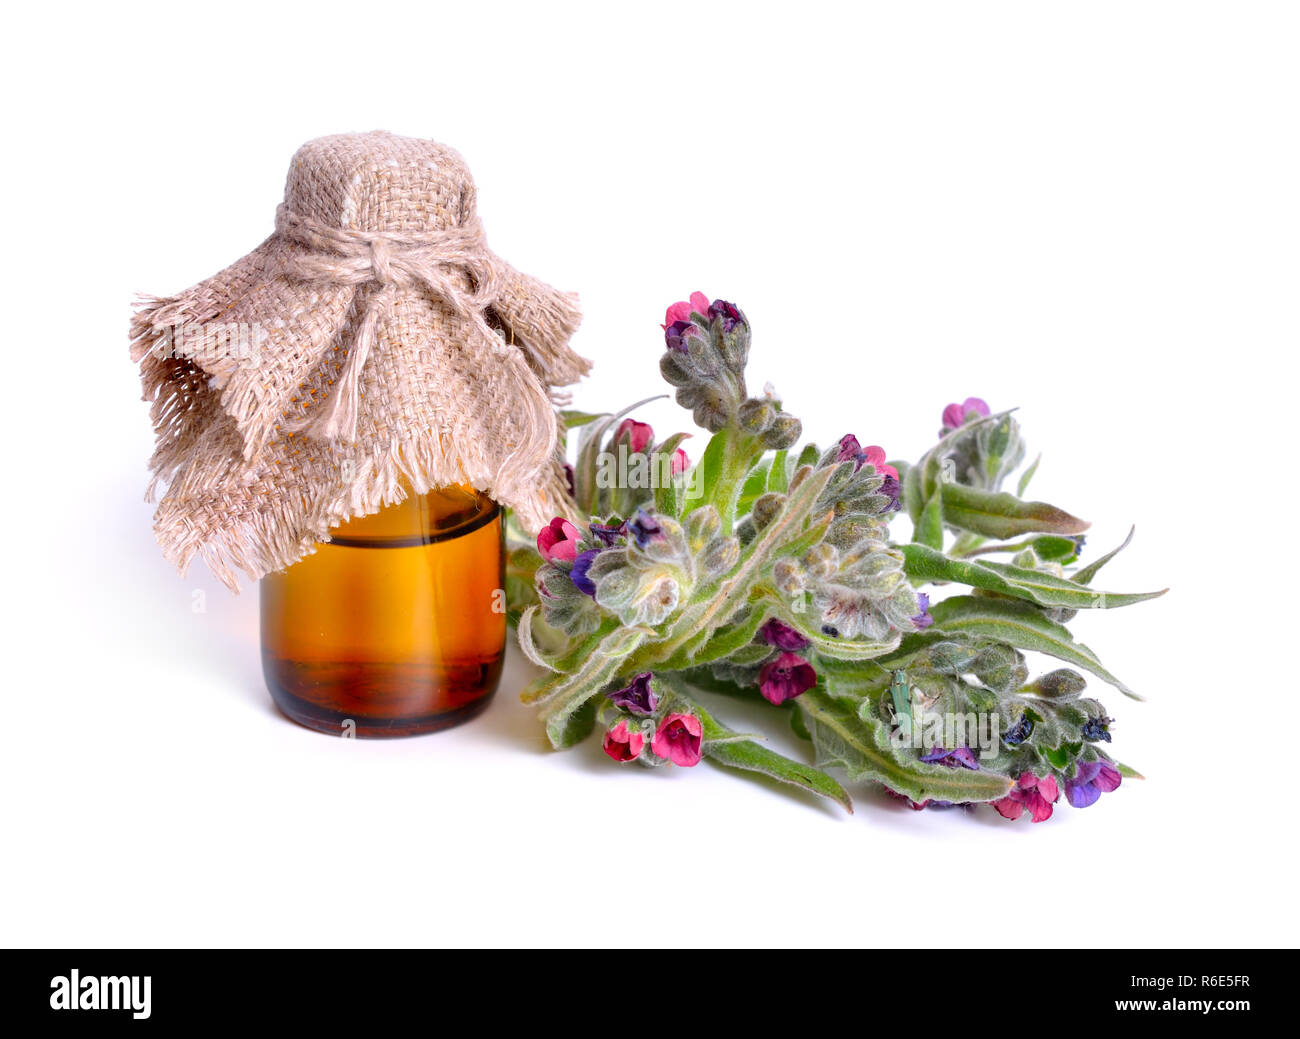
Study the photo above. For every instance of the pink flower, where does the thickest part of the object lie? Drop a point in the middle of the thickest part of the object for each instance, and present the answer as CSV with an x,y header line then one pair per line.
x,y
1030,792
678,740
699,303
558,541
852,451
639,435
956,415
875,456
785,678
680,462
622,743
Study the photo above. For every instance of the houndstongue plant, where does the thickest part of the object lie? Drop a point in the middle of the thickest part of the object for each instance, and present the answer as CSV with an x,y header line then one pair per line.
x,y
768,572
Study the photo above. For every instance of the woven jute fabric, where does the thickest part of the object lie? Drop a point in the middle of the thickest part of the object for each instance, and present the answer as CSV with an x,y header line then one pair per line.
x,y
371,347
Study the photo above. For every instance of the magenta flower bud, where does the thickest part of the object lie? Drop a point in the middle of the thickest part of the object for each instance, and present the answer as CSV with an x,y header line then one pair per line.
x,y
850,450
558,541
785,678
1029,794
680,463
729,312
622,743
637,435
782,636
957,415
679,740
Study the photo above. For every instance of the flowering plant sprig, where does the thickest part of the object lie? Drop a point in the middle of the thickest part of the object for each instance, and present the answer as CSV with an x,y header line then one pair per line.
x,y
769,572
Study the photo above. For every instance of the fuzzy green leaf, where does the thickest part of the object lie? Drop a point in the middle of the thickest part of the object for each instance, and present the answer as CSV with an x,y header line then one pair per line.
x,y
1026,476
860,746
929,527
731,750
1002,515
572,418
778,473
1021,625
1085,575
1045,589
571,729
710,469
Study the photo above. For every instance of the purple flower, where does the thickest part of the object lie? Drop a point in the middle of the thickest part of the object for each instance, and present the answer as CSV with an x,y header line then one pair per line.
x,y
959,757
782,636
606,534
1091,780
957,415
893,491
637,697
643,528
923,619
1097,729
676,333
579,572
785,678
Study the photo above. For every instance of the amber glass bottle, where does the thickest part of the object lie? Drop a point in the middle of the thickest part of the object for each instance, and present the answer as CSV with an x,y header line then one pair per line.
x,y
396,626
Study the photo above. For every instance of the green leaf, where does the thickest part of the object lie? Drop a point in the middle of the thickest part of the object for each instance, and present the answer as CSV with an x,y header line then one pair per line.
x,y
668,496
861,747
925,564
584,468
573,419
1002,515
710,470
520,583
1026,476
1086,575
929,528
755,485
778,474
910,487
571,729
721,642
1053,548
798,726
1020,625
732,750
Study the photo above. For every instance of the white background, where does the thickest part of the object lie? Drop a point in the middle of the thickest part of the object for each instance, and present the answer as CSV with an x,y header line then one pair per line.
x,y
1090,211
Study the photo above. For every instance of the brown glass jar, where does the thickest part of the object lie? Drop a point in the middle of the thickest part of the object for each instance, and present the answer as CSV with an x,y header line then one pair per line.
x,y
395,627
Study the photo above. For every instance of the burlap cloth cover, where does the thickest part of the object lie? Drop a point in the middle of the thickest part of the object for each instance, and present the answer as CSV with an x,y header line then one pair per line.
x,y
372,338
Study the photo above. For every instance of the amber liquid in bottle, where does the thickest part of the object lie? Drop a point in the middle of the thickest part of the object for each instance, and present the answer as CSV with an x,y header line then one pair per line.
x,y
395,627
